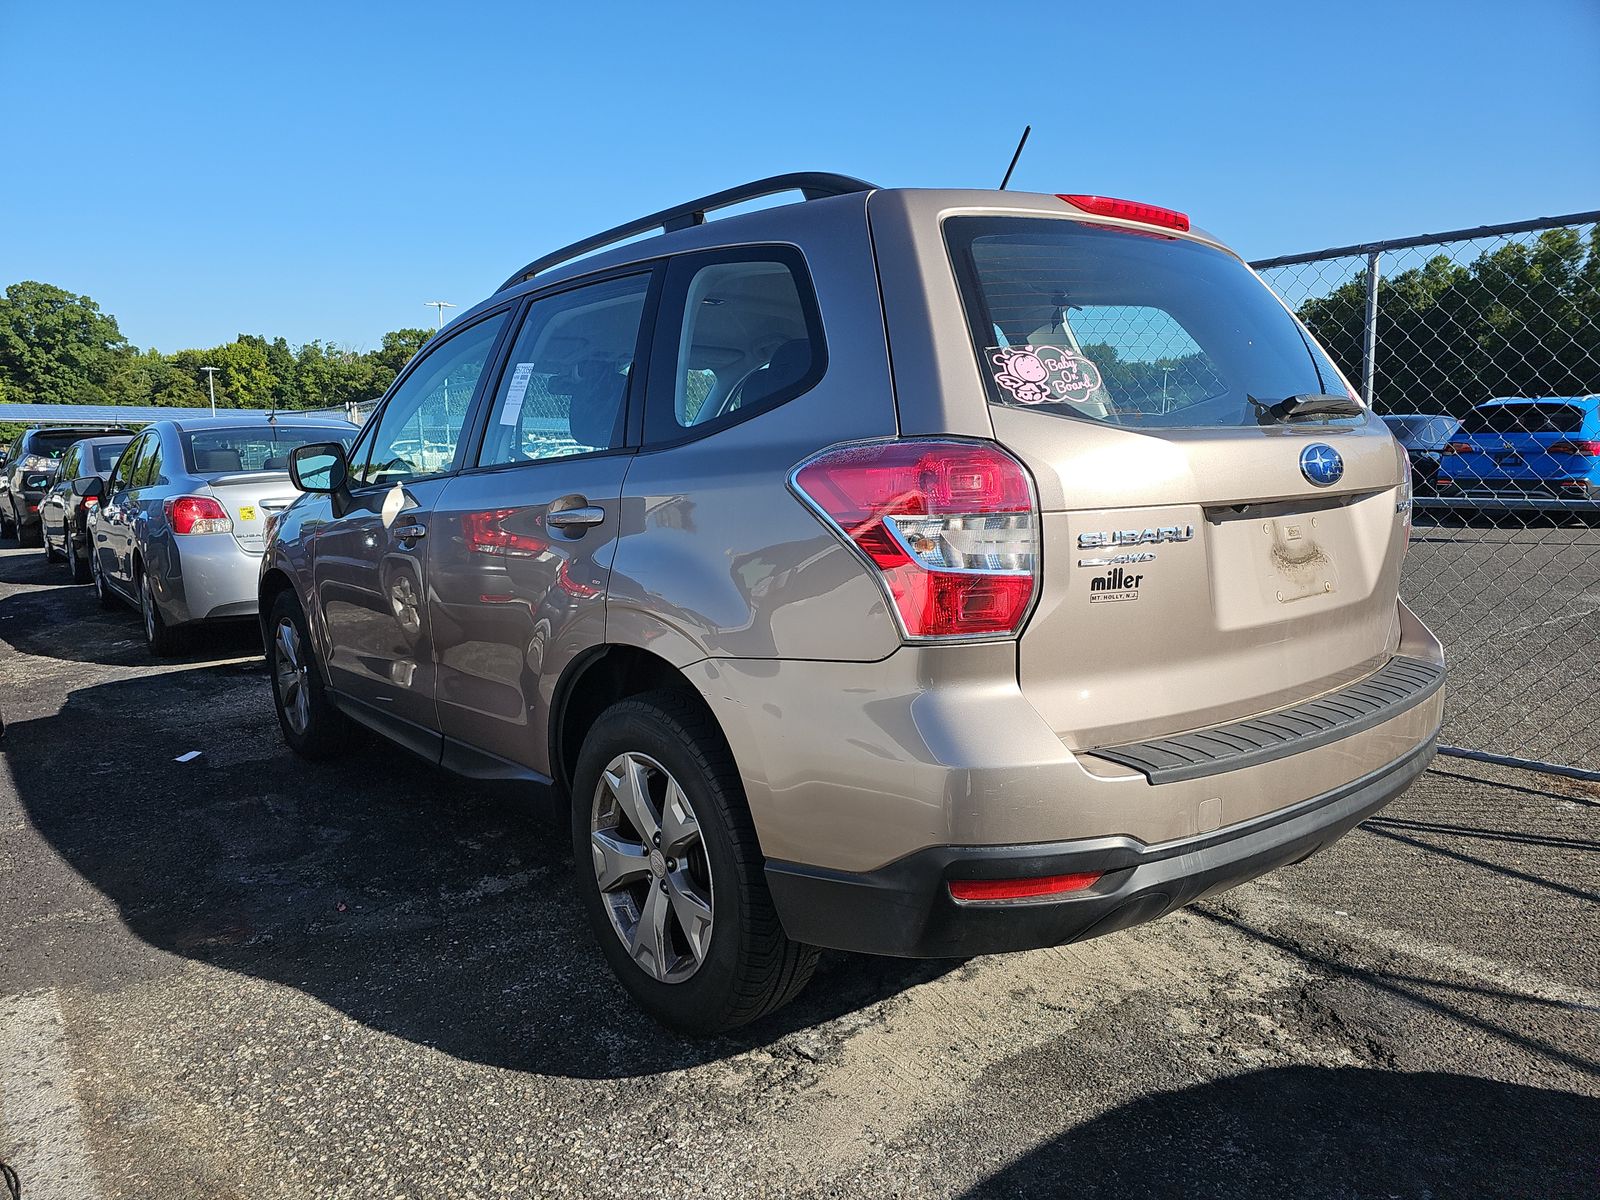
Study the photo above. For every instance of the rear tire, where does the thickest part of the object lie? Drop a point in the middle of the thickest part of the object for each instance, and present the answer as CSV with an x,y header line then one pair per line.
x,y
30,537
312,726
736,964
162,639
78,563
109,600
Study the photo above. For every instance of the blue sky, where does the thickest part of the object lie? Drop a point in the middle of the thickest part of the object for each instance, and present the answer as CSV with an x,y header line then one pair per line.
x,y
321,170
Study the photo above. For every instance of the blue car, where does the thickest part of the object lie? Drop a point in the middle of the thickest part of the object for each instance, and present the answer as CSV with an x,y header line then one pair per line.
x,y
1528,452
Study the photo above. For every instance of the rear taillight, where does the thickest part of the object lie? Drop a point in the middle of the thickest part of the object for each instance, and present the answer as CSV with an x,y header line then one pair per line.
x,y
486,534
1583,448
1458,448
1129,210
90,501
1022,889
952,528
196,514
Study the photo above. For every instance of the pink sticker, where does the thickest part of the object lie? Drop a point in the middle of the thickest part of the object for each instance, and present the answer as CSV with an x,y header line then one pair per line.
x,y
1044,374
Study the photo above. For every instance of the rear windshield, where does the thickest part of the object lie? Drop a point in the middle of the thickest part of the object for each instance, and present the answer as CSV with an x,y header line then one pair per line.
x,y
54,443
1525,418
1128,328
254,447
104,455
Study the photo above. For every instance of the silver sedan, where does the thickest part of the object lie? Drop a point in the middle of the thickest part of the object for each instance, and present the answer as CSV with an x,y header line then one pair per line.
x,y
182,521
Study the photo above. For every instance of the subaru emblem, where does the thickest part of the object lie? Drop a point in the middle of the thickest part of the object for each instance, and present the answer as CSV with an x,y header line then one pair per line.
x,y
1321,464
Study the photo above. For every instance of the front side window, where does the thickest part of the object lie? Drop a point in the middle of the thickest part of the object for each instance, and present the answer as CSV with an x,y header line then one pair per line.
x,y
420,425
564,389
1129,328
748,340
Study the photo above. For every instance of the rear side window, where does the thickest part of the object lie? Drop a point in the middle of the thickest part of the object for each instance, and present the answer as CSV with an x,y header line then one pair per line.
x,y
739,334
564,388
1082,320
1525,418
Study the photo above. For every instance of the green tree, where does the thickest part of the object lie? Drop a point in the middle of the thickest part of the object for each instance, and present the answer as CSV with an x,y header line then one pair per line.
x,y
57,347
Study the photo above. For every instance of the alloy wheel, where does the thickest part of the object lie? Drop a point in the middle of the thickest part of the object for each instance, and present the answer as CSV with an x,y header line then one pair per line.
x,y
650,861
147,607
290,673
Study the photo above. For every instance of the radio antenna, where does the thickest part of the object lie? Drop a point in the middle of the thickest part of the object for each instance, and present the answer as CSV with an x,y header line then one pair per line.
x,y
1026,130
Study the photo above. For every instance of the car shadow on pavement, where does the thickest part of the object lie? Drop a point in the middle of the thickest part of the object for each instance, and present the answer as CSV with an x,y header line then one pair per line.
x,y
423,905
1322,1131
65,621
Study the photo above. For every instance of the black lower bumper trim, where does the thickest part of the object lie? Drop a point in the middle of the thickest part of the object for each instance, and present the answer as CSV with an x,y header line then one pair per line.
x,y
905,908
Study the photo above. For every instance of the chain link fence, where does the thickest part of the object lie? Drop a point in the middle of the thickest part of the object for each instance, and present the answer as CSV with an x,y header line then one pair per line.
x,y
1481,348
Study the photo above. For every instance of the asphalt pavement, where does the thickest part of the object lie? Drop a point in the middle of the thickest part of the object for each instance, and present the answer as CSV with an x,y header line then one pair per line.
x,y
248,976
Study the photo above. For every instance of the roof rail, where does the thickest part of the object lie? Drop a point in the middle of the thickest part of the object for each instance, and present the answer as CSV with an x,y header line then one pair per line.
x,y
813,185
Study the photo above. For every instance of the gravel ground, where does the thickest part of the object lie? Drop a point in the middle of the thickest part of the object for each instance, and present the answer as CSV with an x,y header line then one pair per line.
x,y
252,977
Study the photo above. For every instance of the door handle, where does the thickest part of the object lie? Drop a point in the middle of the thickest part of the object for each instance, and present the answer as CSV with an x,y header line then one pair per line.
x,y
575,518
410,533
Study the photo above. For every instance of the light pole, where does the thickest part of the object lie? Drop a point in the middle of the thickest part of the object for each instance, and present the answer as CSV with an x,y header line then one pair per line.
x,y
441,305
211,386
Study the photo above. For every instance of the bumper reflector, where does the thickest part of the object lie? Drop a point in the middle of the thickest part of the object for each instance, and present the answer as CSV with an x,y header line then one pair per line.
x,y
1021,889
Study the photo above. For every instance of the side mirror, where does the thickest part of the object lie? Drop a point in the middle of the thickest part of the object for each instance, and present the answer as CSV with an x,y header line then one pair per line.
x,y
89,486
318,467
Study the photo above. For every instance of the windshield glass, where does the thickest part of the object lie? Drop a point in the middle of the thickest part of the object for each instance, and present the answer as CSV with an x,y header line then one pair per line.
x,y
1128,328
260,447
1525,418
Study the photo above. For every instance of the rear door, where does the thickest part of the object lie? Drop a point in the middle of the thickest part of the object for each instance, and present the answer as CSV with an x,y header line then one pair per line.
x,y
1204,557
369,560
522,540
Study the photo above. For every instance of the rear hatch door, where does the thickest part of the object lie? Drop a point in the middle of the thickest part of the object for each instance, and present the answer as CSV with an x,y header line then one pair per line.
x,y
1206,555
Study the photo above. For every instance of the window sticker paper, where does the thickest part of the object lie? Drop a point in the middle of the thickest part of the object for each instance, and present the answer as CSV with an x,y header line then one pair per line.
x,y
519,389
1044,374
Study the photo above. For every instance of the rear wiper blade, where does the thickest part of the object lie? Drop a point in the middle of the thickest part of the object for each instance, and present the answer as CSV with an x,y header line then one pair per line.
x,y
1306,404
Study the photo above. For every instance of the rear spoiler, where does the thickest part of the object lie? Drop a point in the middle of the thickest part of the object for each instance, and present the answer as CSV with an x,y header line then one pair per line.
x,y
243,476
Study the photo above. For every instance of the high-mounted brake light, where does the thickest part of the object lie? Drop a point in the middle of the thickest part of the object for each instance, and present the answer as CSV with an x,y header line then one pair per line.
x,y
196,514
1022,889
1458,448
951,527
1129,210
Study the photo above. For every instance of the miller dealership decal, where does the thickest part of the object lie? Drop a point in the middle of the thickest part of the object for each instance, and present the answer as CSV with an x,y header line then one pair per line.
x,y
1116,585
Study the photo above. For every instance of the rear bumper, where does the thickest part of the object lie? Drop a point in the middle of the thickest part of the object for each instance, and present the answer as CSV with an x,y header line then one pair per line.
x,y
905,908
207,578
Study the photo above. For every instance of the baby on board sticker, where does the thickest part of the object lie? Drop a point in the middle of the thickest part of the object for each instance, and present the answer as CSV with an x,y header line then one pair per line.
x,y
1045,374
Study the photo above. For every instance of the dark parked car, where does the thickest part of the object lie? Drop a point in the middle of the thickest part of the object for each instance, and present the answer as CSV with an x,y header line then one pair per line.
x,y
1424,435
63,515
30,469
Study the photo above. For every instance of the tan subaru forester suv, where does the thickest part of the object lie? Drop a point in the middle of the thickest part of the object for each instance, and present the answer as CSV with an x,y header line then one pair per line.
x,y
924,573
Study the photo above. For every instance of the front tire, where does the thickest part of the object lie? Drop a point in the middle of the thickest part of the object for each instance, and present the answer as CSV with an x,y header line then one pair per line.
x,y
670,871
51,554
311,725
